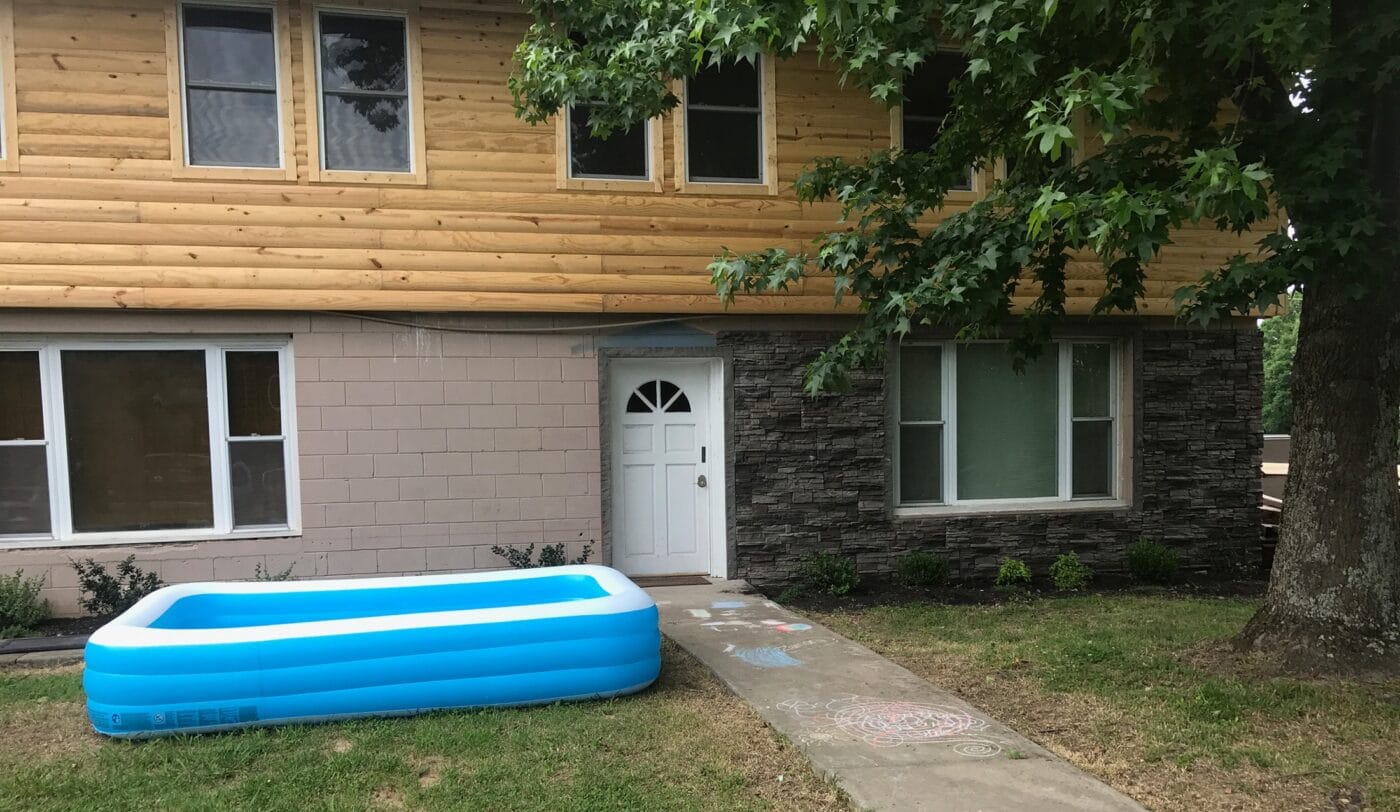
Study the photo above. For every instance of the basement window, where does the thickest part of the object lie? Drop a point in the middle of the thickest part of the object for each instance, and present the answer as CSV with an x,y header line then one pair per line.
x,y
122,441
972,433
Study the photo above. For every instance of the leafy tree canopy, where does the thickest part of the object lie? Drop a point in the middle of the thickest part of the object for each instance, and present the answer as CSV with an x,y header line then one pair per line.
x,y
1280,345
1228,112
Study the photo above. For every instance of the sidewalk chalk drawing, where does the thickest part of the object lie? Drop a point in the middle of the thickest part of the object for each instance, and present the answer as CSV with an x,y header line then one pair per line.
x,y
698,613
764,656
890,723
728,605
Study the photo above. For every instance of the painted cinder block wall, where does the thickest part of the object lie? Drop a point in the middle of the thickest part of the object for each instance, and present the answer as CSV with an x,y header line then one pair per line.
x,y
419,449
814,473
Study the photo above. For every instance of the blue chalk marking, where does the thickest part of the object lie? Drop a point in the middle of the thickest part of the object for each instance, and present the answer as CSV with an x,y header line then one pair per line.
x,y
767,657
728,605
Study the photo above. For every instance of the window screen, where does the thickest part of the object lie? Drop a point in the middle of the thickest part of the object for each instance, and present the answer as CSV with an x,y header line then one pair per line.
x,y
230,73
724,123
365,106
621,155
928,101
24,465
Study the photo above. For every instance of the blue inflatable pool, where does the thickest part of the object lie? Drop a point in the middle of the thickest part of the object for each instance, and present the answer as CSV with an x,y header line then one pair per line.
x,y
205,657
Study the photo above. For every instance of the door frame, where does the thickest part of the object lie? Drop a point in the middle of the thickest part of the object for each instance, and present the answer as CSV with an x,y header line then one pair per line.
x,y
719,365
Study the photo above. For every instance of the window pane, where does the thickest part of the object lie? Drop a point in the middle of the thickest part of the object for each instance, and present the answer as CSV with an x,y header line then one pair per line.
x,y
254,394
363,53
1093,458
24,489
723,146
920,464
730,84
232,128
926,90
229,45
366,133
919,134
21,404
1091,380
621,154
921,383
258,478
138,440
1007,425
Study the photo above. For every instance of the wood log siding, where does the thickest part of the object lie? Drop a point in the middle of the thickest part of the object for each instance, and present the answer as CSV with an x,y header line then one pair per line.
x,y
97,215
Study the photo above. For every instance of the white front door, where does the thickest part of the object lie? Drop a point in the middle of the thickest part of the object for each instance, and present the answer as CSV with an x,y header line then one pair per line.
x,y
667,467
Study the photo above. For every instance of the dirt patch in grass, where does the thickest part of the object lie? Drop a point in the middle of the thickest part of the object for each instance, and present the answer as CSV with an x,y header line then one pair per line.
x,y
45,731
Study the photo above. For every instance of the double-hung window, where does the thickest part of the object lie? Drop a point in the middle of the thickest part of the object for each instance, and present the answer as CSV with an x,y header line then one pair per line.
x,y
230,86
123,440
972,431
725,138
928,102
365,89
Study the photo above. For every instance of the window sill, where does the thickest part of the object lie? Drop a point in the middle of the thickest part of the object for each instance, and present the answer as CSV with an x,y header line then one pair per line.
x,y
952,511
265,174
721,189
374,178
610,185
118,539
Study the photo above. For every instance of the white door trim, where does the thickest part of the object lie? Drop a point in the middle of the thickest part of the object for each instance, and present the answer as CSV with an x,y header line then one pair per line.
x,y
714,467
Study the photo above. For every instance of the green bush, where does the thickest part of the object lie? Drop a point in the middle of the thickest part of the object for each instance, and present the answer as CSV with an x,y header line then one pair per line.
x,y
923,570
1014,574
830,573
21,608
551,555
106,594
1069,573
1152,562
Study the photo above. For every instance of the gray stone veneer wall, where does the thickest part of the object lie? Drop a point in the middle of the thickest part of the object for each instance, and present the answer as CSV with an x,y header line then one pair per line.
x,y
814,474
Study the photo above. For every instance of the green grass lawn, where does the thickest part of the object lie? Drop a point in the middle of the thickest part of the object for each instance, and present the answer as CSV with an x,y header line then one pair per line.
x,y
685,744
1140,690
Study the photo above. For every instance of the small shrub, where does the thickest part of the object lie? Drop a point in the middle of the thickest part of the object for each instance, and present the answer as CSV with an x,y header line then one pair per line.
x,y
830,573
789,594
1152,562
551,555
21,608
107,594
1069,573
1014,574
923,570
261,573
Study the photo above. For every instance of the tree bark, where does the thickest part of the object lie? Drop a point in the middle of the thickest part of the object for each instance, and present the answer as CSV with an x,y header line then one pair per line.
x,y
1333,601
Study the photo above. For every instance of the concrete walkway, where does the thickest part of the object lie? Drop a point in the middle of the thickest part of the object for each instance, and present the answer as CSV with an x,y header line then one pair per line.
x,y
891,740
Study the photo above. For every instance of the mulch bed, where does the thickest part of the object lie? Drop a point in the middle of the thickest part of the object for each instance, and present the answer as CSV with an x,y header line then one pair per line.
x,y
874,591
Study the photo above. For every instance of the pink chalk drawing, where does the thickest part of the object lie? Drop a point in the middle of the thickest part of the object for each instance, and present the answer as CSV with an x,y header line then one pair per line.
x,y
890,723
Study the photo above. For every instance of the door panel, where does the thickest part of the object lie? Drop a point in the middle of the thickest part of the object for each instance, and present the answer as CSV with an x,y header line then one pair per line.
x,y
661,503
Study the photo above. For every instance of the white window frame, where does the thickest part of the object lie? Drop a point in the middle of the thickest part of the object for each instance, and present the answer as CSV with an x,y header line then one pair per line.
x,y
60,506
1064,499
647,138
277,80
760,110
409,94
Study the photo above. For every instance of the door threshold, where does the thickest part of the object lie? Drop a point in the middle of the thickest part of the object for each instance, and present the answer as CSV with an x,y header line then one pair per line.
x,y
669,580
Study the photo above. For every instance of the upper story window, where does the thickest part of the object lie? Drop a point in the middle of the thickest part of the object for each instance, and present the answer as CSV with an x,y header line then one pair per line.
x,y
928,101
725,135
363,71
972,432
132,440
622,155
229,60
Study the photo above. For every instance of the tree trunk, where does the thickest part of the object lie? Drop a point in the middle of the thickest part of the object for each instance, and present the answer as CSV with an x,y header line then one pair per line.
x,y
1334,594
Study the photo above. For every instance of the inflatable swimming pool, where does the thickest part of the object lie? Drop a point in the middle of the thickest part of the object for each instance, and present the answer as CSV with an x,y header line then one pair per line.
x,y
205,657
